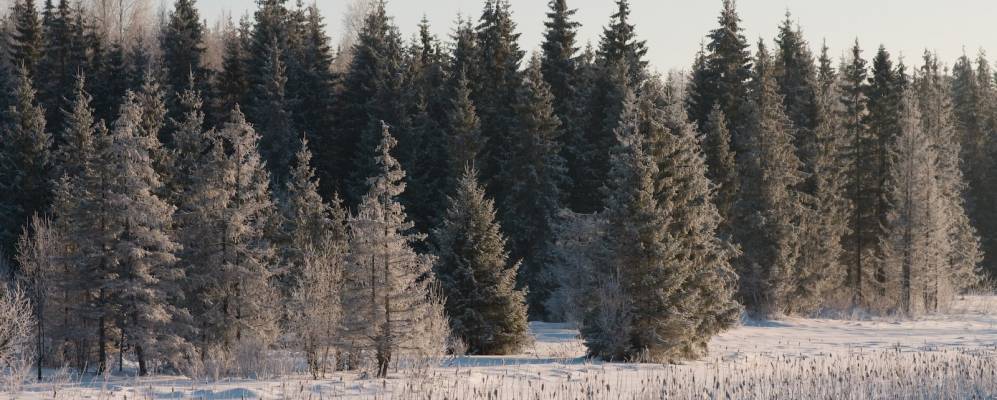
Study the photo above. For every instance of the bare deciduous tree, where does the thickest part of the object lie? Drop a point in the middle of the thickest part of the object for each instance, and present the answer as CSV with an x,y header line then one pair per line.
x,y
16,345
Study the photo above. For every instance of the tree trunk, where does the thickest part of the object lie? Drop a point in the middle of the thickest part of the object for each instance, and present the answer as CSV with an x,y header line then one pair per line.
x,y
142,371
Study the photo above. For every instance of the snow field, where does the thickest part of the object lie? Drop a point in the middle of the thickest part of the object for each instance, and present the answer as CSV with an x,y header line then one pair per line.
x,y
952,356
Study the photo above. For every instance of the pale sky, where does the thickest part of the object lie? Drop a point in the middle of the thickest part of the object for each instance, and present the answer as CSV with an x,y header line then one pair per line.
x,y
675,28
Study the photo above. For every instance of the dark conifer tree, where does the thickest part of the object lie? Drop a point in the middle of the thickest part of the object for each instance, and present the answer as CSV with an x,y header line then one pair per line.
x,y
182,42
884,92
496,93
26,44
861,243
58,66
724,77
231,84
464,140
619,44
278,141
770,207
476,275
311,87
721,165
25,163
559,64
796,74
372,92
533,202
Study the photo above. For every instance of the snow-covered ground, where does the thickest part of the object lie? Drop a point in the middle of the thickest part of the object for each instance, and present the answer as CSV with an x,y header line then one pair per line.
x,y
936,357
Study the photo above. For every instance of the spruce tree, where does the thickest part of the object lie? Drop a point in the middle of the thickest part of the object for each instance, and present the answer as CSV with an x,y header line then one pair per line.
x,y
973,95
884,93
26,37
915,242
769,208
721,165
77,147
862,241
423,149
589,161
310,224
464,140
371,93
665,288
229,288
619,44
387,286
315,255
962,255
536,171
57,68
559,65
271,112
311,86
231,84
189,143
144,293
25,163
476,276
499,60
151,101
183,46
82,209
821,267
684,194
796,74
723,82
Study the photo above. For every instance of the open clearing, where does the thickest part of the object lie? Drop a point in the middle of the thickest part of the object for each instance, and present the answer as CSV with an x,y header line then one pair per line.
x,y
951,356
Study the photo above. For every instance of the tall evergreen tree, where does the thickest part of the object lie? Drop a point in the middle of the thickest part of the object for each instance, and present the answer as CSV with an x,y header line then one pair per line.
x,y
619,44
559,65
796,74
465,142
387,283
78,136
495,96
423,149
25,163
769,209
721,165
962,255
145,290
666,289
884,91
914,218
725,73
26,37
588,156
476,276
861,244
183,46
536,171
821,267
310,223
189,143
974,98
58,66
278,140
229,278
311,85
231,84
372,92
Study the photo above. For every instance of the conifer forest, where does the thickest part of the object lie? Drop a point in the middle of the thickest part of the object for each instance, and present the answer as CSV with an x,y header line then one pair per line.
x,y
185,197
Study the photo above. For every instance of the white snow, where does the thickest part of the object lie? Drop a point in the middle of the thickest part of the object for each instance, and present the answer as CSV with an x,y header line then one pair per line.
x,y
943,356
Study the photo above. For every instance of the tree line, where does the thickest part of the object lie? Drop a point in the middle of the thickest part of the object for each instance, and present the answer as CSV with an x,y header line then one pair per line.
x,y
161,206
